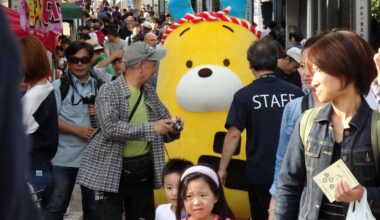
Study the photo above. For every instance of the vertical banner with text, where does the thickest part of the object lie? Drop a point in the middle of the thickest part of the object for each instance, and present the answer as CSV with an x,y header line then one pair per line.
x,y
362,18
199,5
209,5
161,8
249,10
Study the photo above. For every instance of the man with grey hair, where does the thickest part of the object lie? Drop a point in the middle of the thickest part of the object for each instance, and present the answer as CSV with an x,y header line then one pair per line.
x,y
125,157
150,38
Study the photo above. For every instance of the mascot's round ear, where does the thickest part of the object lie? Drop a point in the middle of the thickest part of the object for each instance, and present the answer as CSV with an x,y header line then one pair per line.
x,y
238,7
179,8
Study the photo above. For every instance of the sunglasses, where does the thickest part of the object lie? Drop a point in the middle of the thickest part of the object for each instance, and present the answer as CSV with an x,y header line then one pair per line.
x,y
76,60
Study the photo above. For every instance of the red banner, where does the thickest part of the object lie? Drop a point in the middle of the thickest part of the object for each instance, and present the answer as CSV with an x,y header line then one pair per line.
x,y
49,39
41,16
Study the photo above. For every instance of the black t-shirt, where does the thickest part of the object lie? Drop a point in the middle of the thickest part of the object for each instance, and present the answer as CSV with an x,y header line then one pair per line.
x,y
335,210
124,32
293,78
258,108
44,141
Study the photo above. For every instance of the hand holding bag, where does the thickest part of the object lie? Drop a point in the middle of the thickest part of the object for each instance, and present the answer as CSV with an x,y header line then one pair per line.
x,y
360,210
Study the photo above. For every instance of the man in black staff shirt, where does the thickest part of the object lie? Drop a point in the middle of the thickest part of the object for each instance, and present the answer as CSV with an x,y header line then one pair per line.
x,y
287,67
258,108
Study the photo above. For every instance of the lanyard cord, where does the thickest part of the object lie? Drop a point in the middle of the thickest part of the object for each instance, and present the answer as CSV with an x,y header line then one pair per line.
x,y
76,90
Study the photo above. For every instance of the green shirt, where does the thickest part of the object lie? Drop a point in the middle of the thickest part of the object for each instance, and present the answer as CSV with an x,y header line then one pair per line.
x,y
136,148
109,68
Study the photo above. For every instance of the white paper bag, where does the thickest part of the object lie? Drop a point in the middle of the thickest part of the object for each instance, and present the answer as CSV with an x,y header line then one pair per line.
x,y
362,210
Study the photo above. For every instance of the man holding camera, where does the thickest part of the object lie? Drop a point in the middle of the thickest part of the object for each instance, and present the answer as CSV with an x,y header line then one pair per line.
x,y
124,159
74,94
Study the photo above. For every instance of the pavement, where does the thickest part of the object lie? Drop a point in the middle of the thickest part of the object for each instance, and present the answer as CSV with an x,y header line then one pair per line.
x,y
74,212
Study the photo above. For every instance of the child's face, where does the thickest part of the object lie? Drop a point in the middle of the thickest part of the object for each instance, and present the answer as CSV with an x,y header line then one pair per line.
x,y
171,182
199,199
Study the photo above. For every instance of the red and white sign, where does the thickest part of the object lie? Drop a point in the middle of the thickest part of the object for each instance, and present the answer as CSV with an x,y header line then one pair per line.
x,y
41,16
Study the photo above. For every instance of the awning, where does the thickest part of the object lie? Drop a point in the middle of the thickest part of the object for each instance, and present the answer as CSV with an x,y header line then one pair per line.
x,y
71,11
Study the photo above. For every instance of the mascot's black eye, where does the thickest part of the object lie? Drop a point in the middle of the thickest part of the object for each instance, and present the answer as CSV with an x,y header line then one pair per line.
x,y
226,62
189,63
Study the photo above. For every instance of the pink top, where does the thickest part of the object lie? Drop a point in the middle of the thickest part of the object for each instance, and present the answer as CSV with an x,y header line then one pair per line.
x,y
216,217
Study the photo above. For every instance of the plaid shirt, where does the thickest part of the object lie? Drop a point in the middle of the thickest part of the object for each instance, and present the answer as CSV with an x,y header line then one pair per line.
x,y
101,163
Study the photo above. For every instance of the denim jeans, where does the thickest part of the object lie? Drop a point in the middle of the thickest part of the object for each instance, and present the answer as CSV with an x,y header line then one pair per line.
x,y
62,183
39,179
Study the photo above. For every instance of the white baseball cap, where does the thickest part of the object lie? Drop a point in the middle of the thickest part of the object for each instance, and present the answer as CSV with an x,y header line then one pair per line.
x,y
295,53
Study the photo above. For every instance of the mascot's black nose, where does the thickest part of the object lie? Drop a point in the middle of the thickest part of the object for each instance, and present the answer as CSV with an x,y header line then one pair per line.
x,y
205,72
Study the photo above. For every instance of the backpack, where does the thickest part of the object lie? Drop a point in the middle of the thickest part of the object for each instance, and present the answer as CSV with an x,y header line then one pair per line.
x,y
308,119
65,84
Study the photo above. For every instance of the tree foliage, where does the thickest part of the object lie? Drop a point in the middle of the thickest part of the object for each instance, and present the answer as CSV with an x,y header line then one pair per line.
x,y
375,9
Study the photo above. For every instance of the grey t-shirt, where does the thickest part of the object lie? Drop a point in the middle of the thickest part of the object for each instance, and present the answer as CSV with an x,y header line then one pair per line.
x,y
110,47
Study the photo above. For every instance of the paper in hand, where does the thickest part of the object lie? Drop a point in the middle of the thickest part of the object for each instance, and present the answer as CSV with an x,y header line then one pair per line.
x,y
328,178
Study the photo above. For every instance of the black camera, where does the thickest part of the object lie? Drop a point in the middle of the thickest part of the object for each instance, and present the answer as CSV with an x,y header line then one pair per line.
x,y
89,100
177,126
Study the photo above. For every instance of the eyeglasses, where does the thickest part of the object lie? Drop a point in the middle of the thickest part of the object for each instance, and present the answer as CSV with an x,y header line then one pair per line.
x,y
76,60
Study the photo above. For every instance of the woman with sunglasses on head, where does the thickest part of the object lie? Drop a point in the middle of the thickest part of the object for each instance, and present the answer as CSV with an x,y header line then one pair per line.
x,y
74,93
343,68
40,112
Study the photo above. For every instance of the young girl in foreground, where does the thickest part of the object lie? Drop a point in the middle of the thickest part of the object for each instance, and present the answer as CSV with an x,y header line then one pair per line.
x,y
201,194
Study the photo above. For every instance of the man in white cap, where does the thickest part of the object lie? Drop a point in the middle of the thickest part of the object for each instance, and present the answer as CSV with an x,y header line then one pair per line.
x,y
125,157
287,66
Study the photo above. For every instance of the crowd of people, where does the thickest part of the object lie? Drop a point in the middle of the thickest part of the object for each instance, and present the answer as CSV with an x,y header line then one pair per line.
x,y
101,125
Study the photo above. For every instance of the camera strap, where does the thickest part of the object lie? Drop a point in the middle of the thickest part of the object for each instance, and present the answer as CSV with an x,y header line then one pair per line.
x,y
71,81
136,105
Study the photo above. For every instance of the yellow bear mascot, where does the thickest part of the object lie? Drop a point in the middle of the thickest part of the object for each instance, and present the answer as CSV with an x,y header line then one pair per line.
x,y
205,65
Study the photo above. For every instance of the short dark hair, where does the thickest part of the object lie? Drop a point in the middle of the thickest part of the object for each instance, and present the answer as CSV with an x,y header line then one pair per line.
x,y
175,165
272,24
347,56
112,30
81,28
156,20
263,55
84,36
298,36
65,41
62,36
311,41
76,46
